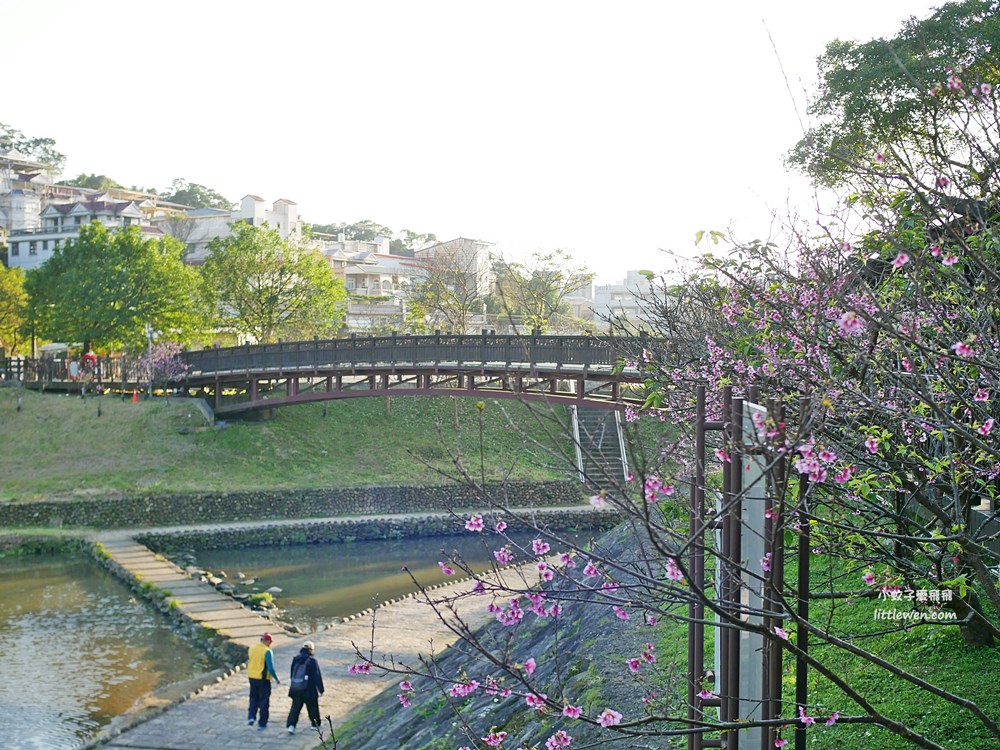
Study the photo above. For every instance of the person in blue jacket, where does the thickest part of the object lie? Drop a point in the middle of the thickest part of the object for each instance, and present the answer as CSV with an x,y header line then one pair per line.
x,y
260,670
305,687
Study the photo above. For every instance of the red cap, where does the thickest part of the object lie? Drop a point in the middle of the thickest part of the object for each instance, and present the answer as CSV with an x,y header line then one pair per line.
x,y
266,637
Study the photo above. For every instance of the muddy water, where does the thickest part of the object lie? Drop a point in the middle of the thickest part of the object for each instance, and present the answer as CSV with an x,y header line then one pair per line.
x,y
77,650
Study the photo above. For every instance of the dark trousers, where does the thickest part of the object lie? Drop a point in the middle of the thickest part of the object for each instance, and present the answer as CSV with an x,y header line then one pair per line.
x,y
311,703
260,700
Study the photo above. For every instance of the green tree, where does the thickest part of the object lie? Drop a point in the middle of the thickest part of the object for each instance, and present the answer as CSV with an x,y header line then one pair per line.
x,y
13,304
92,181
873,99
195,195
534,296
105,286
262,287
42,150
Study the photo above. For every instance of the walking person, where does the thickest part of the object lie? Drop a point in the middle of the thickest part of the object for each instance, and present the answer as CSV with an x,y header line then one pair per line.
x,y
260,670
305,688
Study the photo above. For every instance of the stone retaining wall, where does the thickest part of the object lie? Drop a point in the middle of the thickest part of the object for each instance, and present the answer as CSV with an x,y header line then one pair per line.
x,y
584,524
179,510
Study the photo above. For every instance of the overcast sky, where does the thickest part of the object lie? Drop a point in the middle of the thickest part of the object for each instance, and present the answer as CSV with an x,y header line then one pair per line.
x,y
613,129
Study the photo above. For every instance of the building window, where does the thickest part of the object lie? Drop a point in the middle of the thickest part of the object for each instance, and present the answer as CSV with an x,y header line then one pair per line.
x,y
15,249
77,220
32,248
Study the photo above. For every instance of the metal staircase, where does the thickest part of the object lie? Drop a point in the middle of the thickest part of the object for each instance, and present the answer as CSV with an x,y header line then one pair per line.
x,y
600,446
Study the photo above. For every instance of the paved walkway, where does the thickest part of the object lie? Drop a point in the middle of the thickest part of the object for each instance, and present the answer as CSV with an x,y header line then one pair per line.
x,y
215,718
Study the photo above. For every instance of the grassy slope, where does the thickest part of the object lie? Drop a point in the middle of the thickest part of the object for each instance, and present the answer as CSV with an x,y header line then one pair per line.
x,y
57,445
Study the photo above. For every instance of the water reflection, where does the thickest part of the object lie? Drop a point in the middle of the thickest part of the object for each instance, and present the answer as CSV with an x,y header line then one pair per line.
x,y
77,650
323,582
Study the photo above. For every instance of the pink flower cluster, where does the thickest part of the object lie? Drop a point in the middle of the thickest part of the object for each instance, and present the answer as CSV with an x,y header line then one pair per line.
x,y
463,689
475,523
558,741
655,490
536,701
362,668
494,739
405,693
609,718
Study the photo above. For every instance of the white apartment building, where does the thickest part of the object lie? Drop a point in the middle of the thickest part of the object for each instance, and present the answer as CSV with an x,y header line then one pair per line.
x,y
199,226
622,299
60,222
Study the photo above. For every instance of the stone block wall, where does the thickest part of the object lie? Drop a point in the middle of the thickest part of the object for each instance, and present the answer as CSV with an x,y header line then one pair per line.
x,y
202,508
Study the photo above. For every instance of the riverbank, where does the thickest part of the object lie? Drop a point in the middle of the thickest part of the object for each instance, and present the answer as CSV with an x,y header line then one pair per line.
x,y
102,446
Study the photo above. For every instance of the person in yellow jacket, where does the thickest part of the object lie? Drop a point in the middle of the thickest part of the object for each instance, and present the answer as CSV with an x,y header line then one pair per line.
x,y
260,670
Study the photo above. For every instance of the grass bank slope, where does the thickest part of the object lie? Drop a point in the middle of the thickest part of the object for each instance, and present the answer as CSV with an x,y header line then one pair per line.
x,y
60,445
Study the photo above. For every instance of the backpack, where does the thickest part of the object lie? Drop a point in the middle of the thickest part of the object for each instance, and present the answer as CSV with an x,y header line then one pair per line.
x,y
300,680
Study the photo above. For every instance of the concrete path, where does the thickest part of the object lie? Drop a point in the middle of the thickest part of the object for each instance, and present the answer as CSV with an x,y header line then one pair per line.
x,y
215,717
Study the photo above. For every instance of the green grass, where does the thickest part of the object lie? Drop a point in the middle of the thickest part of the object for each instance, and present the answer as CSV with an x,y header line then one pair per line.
x,y
59,446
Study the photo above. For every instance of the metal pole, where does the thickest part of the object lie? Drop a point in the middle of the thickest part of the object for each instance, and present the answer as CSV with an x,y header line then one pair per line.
x,y
696,567
802,604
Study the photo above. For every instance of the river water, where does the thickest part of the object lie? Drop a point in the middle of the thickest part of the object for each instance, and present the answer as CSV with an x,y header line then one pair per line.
x,y
77,650
322,583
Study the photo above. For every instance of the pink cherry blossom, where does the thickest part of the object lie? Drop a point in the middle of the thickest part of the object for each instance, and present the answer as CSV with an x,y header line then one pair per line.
x,y
503,555
833,718
535,701
880,158
765,563
446,569
850,324
475,523
986,427
900,260
844,475
981,395
590,570
868,578
672,571
599,501
463,689
936,251
778,742
633,665
872,445
722,455
781,633
404,700
494,739
567,560
804,717
360,669
500,527
572,712
942,182
558,741
529,666
609,718
539,547
949,260
621,613
705,694
962,349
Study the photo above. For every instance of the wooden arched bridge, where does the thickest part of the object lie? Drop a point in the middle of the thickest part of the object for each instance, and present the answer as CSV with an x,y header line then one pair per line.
x,y
570,369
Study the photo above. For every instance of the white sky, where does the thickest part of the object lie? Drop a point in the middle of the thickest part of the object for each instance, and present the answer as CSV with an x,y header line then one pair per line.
x,y
612,129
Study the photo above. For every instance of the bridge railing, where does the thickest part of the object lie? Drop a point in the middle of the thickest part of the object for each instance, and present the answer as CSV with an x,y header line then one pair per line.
x,y
578,351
